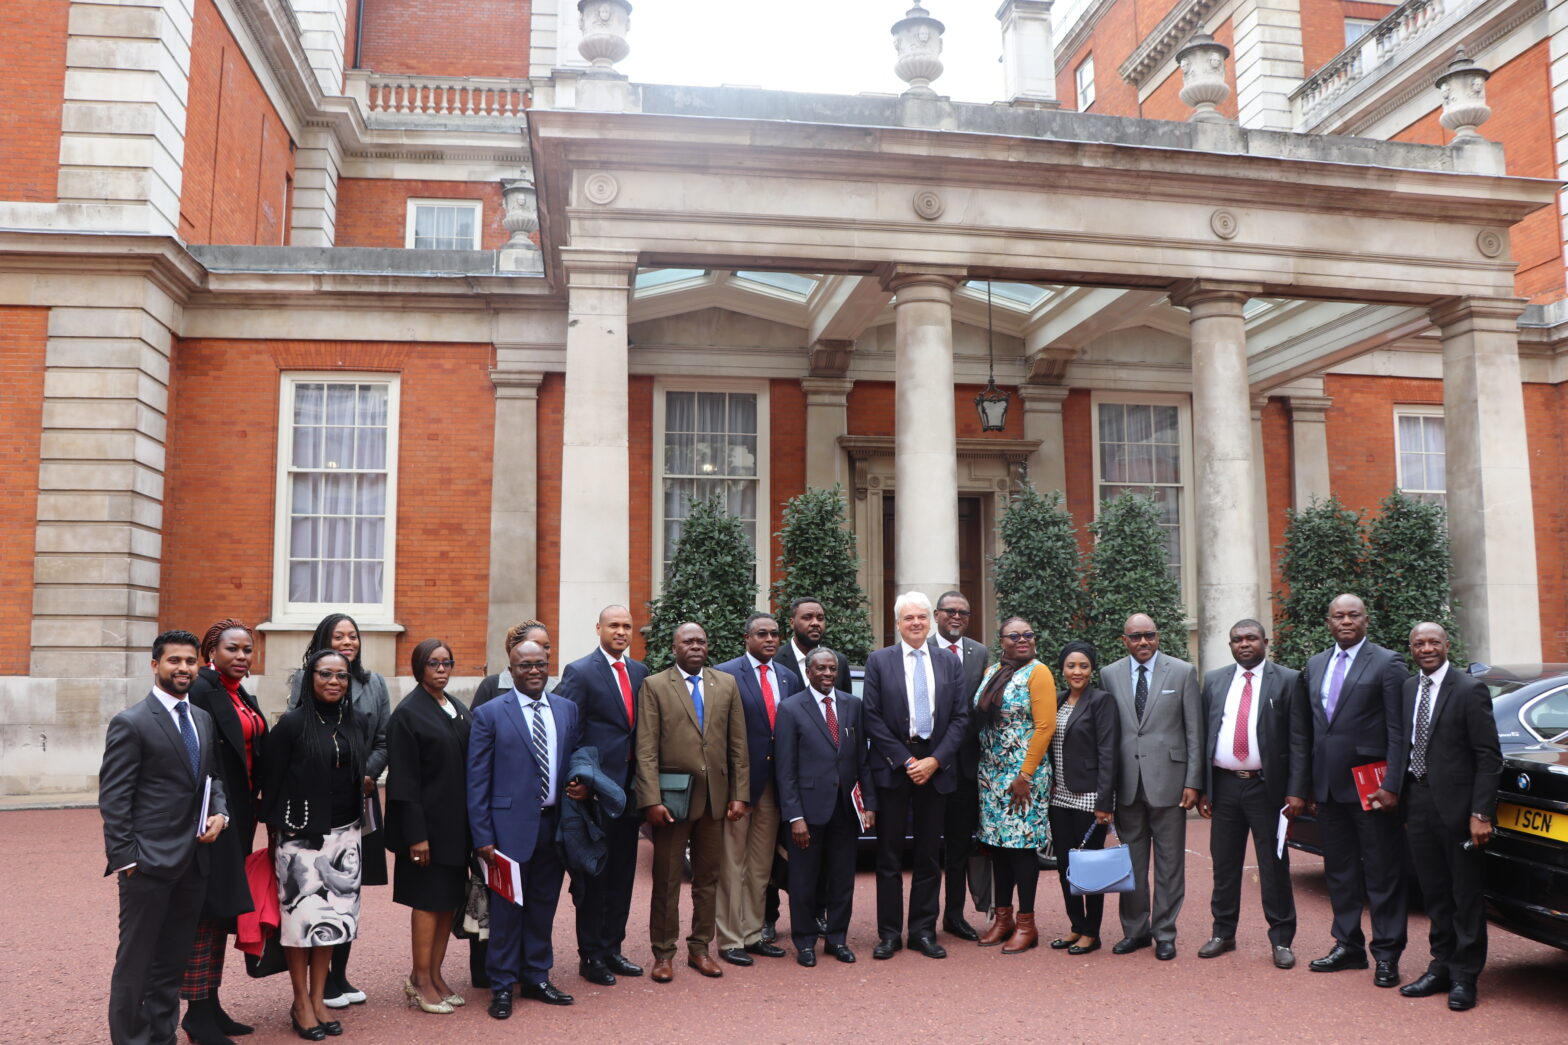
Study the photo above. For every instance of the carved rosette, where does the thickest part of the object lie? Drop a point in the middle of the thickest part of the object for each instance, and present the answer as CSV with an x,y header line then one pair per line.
x,y
1203,84
604,24
1463,86
519,212
917,38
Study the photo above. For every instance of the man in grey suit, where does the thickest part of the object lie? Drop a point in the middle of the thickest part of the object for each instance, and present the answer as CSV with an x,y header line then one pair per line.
x,y
963,808
1161,766
159,760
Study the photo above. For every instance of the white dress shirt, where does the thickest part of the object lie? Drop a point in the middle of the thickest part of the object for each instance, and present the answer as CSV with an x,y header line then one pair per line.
x,y
549,738
1225,743
1437,687
1350,662
924,660
612,661
800,656
1148,678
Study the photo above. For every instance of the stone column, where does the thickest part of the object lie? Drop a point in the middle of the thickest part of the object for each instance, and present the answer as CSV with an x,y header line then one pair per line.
x,y
1028,54
315,213
925,551
595,464
323,29
514,509
1043,421
1491,518
827,418
1229,586
1260,516
1268,62
1309,448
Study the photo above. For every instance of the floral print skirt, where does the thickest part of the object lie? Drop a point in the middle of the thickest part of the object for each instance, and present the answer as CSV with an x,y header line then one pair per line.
x,y
318,887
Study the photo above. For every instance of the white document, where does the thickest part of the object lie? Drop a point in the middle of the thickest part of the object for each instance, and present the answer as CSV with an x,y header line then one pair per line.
x,y
206,803
1280,831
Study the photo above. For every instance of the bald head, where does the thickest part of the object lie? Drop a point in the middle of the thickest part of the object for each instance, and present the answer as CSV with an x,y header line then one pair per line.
x,y
691,647
615,630
1141,637
1347,620
1428,646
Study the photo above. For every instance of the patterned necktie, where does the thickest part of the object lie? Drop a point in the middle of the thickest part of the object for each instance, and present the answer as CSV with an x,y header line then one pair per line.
x,y
695,682
1336,683
1243,714
1140,696
922,696
767,693
541,741
626,693
1423,729
832,719
188,734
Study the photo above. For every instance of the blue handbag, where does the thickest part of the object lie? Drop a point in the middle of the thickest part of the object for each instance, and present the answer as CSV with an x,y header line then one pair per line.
x,y
1091,871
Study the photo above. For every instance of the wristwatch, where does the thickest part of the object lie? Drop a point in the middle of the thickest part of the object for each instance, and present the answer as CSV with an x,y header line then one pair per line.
x,y
1481,817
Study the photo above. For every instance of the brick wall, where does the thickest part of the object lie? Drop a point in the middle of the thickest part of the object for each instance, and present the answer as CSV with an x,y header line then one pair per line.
x,y
373,212
1323,28
238,156
1545,411
1279,476
640,538
1078,451
24,334
871,411
787,459
446,37
1113,39
32,53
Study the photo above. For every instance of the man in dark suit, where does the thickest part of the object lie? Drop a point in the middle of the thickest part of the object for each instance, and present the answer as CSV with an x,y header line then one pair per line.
x,y
750,843
161,796
692,731
822,759
518,751
963,808
604,687
1247,772
808,622
1347,715
1450,796
1161,767
916,716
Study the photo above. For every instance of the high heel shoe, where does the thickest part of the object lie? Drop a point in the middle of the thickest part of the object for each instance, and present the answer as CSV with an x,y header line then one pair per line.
x,y
441,1008
409,989
316,1033
457,1001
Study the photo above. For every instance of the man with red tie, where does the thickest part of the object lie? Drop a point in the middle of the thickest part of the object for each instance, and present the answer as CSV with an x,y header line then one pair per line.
x,y
749,843
603,685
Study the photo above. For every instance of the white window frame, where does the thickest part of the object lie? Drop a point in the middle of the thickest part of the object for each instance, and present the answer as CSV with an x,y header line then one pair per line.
x,y
1365,24
414,203
761,390
1402,410
1188,520
306,614
1084,97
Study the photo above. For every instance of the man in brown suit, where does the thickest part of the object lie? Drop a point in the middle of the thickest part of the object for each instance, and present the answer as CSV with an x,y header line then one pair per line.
x,y
689,721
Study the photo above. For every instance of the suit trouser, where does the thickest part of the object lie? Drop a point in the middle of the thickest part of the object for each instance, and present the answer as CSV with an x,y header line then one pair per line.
x,y
520,949
825,868
959,821
706,835
1452,885
604,900
1138,824
1364,865
921,808
1068,826
158,919
749,845
1243,806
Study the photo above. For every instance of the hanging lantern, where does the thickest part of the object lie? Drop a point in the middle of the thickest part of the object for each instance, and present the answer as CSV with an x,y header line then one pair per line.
x,y
992,402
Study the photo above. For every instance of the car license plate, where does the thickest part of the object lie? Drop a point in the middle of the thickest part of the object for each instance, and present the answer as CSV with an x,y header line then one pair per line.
x,y
1542,822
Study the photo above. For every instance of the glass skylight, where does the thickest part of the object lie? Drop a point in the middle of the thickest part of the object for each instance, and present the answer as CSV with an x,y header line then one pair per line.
x,y
789,282
1023,296
652,279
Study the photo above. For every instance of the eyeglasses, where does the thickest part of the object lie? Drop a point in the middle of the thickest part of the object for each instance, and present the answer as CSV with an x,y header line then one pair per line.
x,y
332,676
533,665
1136,636
766,634
1018,636
956,613
440,665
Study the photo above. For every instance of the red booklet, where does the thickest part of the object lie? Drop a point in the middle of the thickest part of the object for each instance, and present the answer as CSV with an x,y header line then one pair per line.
x,y
506,877
859,799
1368,779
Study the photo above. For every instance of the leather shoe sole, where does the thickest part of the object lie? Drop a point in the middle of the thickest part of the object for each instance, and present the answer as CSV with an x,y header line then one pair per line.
x,y
1216,946
1426,985
735,956
1129,944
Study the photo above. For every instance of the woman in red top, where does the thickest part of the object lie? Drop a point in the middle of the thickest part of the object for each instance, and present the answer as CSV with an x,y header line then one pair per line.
x,y
227,648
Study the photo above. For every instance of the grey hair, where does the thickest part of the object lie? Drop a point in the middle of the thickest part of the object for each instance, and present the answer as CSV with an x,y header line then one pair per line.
x,y
917,598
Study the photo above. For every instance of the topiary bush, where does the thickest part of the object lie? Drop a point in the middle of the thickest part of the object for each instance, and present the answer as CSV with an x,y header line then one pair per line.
x,y
818,559
1323,556
1037,575
1408,574
1129,573
711,580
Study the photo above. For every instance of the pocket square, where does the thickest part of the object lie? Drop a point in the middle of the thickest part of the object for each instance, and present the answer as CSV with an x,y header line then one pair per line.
x,y
1164,691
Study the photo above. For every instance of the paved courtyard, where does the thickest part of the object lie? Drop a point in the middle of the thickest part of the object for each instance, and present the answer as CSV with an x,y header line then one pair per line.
x,y
57,941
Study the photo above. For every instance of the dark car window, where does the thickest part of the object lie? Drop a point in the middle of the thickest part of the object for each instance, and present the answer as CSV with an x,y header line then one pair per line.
x,y
1503,687
1547,716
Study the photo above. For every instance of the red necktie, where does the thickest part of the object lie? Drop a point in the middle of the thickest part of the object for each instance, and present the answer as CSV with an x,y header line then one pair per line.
x,y
626,693
832,720
954,648
767,692
1243,713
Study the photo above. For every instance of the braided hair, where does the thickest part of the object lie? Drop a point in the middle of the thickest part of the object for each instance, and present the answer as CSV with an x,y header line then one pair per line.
x,y
209,640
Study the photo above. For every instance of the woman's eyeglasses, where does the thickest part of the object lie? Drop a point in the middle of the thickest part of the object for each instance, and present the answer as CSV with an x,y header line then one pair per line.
x,y
440,665
1018,636
332,676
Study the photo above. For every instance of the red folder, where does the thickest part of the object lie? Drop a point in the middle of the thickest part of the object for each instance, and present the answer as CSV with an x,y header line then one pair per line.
x,y
505,877
1368,779
860,806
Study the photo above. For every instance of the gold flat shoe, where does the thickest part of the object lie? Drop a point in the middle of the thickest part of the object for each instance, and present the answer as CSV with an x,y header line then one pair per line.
x,y
457,1001
440,1008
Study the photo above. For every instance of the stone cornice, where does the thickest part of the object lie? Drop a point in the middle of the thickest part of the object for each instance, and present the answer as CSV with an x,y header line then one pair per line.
x,y
160,259
1174,29
1014,451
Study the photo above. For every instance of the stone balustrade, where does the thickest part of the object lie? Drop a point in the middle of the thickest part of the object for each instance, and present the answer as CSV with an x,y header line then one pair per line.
x,y
441,97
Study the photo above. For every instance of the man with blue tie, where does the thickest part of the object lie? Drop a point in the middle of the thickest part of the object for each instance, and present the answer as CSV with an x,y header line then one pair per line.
x,y
750,843
518,751
604,687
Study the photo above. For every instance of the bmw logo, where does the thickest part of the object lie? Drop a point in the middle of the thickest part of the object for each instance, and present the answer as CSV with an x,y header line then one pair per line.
x,y
1523,781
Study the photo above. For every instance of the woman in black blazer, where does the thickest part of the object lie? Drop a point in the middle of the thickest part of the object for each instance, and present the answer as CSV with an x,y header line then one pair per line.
x,y
427,818
1083,788
226,651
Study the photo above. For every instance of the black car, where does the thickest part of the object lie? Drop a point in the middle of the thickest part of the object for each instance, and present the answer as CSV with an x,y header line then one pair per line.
x,y
1527,859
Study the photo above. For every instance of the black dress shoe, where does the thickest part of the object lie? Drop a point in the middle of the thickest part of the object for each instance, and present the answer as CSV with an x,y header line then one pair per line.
x,y
770,932
1216,946
765,949
735,956
887,947
927,946
622,966
1387,974
1461,996
1339,958
546,992
955,924
807,958
314,1033
1128,944
595,971
1165,950
1061,944
1079,948
1426,985
501,1004
331,1028
842,953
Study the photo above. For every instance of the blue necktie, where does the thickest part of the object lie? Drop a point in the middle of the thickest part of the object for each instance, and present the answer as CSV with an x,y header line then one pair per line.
x,y
188,734
695,682
922,696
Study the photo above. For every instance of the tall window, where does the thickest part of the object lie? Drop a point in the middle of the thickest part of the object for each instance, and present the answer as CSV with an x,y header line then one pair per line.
x,y
443,224
1356,28
337,494
710,447
1419,435
1083,79
1139,450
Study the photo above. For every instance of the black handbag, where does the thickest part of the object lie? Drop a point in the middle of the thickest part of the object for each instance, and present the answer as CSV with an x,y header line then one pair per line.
x,y
270,961
675,794
1091,871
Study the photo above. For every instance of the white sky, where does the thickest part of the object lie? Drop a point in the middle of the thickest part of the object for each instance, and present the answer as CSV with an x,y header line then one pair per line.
x,y
834,46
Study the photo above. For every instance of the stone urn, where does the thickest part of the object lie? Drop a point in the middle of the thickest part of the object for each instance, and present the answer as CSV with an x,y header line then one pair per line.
x,y
1203,84
519,212
604,24
918,39
1463,86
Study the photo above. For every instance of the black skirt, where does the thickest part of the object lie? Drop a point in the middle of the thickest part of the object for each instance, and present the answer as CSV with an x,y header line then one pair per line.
x,y
428,887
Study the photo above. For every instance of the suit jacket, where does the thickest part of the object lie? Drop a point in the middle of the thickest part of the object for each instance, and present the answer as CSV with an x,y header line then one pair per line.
x,y
887,716
1272,695
1365,728
427,778
669,740
975,657
759,731
505,777
228,892
786,658
1463,757
149,801
813,773
1090,745
1164,749
590,684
